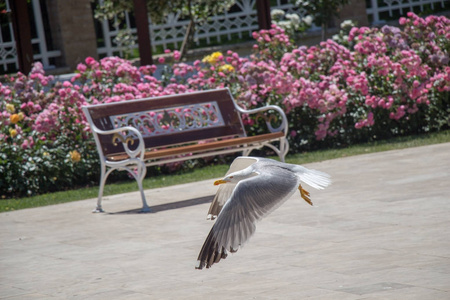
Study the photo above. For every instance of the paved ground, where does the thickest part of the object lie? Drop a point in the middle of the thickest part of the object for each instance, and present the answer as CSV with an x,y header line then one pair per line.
x,y
381,231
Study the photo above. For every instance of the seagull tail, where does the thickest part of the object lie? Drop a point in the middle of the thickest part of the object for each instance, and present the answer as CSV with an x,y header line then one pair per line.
x,y
316,179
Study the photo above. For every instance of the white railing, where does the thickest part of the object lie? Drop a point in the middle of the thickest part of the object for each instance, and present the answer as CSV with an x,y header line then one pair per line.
x,y
43,55
172,32
242,21
393,5
8,52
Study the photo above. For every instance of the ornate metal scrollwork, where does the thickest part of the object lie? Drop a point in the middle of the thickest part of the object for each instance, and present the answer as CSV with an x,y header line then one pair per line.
x,y
121,138
270,120
162,122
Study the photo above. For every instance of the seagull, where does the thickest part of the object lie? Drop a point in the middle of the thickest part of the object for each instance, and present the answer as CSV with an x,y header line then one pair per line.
x,y
252,188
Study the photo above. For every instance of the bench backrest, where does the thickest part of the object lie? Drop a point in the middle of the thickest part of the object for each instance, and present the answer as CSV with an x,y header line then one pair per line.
x,y
168,120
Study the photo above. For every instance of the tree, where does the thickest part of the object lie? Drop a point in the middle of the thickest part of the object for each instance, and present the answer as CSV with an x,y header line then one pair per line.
x,y
322,11
197,11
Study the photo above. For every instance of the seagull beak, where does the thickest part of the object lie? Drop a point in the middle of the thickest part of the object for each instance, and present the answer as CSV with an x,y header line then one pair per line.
x,y
220,181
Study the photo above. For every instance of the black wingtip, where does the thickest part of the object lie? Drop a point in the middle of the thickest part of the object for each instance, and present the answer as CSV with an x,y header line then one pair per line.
x,y
200,265
210,253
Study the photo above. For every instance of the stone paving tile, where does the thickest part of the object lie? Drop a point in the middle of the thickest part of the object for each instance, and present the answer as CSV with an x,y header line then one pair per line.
x,y
375,288
30,296
379,232
407,293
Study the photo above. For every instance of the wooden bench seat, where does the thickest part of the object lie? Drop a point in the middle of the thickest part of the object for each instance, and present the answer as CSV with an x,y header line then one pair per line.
x,y
201,148
138,133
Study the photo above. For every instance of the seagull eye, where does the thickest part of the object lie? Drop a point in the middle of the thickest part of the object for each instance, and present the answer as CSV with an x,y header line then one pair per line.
x,y
231,177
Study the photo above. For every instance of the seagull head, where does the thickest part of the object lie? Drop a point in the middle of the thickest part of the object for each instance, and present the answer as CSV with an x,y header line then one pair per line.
x,y
235,177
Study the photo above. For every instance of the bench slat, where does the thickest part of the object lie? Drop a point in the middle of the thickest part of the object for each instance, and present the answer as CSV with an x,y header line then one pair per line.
x,y
185,149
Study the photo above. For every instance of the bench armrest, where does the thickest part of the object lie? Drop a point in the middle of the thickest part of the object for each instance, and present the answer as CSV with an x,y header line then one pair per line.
x,y
284,123
140,149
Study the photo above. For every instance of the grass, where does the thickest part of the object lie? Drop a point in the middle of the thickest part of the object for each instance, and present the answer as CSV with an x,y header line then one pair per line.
x,y
218,170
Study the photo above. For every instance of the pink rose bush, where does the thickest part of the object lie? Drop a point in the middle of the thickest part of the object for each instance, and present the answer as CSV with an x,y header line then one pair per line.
x,y
37,148
380,83
383,82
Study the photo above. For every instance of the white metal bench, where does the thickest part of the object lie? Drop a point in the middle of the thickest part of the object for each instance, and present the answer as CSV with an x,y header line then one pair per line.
x,y
138,133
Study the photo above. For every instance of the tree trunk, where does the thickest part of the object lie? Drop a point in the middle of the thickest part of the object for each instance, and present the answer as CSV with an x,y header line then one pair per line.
x,y
324,31
187,41
189,32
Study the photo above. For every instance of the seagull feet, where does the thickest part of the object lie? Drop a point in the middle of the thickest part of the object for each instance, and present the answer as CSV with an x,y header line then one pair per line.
x,y
305,194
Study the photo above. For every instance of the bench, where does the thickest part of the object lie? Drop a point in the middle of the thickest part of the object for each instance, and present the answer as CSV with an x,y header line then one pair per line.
x,y
134,134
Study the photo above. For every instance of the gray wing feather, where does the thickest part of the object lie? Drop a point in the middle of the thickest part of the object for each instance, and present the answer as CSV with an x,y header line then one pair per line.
x,y
252,199
316,179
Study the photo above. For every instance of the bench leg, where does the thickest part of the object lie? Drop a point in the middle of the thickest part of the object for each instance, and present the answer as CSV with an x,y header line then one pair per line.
x,y
281,151
141,172
138,176
284,149
145,207
246,152
103,176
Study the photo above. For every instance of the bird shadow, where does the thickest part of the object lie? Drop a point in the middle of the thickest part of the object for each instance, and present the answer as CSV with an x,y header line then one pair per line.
x,y
167,206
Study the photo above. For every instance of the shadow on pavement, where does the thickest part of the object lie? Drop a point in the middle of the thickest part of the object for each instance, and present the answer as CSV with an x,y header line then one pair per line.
x,y
167,206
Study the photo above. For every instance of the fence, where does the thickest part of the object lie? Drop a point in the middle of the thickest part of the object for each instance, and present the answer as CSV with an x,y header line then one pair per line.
x,y
241,21
381,11
8,53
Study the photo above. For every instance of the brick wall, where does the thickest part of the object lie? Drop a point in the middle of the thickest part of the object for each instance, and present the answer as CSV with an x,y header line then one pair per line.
x,y
356,11
73,32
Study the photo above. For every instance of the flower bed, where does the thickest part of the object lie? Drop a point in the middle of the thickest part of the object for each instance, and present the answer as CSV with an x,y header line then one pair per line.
x,y
383,82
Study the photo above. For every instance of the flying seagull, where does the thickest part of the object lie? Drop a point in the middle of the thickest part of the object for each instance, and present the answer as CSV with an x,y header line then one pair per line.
x,y
252,188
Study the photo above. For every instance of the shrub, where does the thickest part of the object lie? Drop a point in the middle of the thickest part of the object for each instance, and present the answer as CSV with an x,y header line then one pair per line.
x,y
380,83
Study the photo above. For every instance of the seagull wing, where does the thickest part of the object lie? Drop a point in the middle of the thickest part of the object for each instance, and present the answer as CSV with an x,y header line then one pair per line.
x,y
225,190
316,179
251,200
